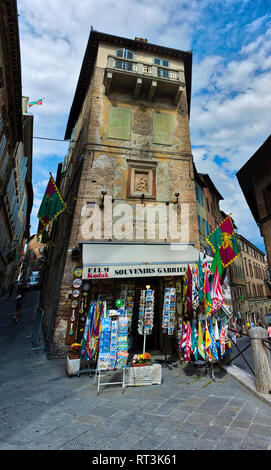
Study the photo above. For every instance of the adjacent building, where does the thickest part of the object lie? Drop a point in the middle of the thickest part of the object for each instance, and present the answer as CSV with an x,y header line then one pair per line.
x,y
203,225
255,181
16,195
212,199
251,292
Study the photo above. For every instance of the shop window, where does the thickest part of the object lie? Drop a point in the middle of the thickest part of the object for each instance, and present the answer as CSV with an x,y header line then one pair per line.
x,y
162,128
141,179
119,123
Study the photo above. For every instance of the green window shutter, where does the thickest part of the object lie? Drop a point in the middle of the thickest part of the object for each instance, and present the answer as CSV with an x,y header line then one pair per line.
x,y
119,123
162,128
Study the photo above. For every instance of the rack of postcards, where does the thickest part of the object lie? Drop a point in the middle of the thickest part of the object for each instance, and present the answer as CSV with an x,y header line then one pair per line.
x,y
127,295
169,309
145,314
113,349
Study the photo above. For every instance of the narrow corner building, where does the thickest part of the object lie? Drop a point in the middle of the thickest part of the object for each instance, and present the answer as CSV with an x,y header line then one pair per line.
x,y
128,181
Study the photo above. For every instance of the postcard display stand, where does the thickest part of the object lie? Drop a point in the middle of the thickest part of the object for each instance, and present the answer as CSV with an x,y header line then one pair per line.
x,y
168,315
145,314
113,350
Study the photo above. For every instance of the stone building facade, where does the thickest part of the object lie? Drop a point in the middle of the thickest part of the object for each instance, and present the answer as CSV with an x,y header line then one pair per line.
x,y
129,157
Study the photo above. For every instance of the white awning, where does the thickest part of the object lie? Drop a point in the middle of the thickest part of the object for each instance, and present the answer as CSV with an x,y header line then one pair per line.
x,y
120,260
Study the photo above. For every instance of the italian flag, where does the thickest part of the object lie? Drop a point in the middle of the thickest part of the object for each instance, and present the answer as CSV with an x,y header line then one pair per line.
x,y
39,102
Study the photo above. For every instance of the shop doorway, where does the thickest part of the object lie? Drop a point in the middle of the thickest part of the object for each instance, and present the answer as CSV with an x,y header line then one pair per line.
x,y
152,340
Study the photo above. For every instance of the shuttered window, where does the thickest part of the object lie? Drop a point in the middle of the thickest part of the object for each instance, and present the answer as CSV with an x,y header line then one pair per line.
x,y
199,222
3,165
162,128
119,123
2,145
123,64
125,54
164,63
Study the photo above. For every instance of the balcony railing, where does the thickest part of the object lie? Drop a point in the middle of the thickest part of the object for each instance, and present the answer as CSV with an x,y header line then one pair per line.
x,y
142,68
141,76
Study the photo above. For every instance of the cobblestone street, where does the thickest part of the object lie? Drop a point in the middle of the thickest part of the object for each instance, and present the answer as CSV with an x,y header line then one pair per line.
x,y
42,408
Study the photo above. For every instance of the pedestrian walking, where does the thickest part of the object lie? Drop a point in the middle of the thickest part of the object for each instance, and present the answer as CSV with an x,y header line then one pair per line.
x,y
269,331
18,306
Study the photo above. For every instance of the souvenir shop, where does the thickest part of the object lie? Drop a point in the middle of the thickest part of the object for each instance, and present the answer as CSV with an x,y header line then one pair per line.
x,y
148,304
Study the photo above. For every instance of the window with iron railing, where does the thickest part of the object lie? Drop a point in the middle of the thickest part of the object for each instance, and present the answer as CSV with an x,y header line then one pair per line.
x,y
123,64
161,72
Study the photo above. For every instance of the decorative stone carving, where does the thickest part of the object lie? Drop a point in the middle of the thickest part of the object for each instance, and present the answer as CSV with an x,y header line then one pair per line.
x,y
141,182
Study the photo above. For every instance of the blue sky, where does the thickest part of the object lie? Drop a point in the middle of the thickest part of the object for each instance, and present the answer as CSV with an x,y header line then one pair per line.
x,y
231,79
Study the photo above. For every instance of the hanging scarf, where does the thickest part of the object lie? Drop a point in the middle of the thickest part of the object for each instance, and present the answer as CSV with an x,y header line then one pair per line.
x,y
201,349
85,352
207,343
194,341
195,293
188,342
183,341
222,340
216,332
216,293
213,342
189,290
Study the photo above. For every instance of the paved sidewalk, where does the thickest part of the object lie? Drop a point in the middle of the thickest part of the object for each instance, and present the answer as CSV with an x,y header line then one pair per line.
x,y
42,408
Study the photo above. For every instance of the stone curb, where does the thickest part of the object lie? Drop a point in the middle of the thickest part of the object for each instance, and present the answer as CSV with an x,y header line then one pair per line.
x,y
247,381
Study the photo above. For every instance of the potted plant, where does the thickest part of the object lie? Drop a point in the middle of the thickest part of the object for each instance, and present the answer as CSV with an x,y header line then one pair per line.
x,y
141,360
74,351
73,359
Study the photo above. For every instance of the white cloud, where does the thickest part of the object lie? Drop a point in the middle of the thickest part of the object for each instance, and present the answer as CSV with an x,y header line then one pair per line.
x,y
230,111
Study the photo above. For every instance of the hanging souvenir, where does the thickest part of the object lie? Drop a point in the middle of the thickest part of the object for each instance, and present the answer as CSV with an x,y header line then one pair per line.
x,y
74,303
207,343
182,344
222,340
119,303
86,286
76,293
201,348
194,341
213,342
169,309
78,272
188,342
77,283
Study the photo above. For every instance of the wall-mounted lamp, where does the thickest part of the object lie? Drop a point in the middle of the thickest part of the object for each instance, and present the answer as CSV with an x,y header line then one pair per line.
x,y
103,193
176,196
76,253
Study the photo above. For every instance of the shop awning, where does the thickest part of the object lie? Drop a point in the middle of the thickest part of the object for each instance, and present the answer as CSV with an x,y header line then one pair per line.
x,y
120,260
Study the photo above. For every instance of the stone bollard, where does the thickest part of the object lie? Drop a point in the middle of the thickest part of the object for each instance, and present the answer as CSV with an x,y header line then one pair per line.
x,y
261,359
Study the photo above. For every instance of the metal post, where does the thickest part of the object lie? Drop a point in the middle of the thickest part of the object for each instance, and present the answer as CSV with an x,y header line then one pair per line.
x,y
261,359
144,343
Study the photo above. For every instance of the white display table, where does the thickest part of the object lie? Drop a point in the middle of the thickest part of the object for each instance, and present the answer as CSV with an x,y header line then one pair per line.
x,y
145,375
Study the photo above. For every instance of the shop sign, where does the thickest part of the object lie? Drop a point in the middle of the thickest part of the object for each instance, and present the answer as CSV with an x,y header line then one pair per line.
x,y
109,272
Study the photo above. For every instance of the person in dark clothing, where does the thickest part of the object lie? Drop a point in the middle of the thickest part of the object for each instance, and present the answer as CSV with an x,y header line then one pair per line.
x,y
18,306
